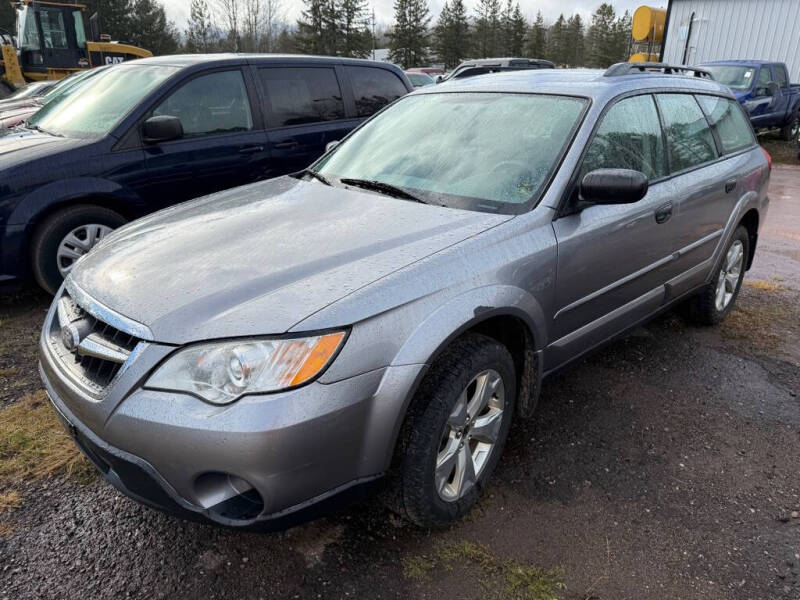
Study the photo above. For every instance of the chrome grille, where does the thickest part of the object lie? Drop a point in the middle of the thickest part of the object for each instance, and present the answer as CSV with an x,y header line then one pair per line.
x,y
92,351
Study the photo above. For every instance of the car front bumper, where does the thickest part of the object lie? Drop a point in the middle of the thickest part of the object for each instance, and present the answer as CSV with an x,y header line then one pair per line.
x,y
263,462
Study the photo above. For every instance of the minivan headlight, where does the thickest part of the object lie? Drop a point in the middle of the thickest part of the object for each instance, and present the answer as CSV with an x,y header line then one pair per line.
x,y
221,372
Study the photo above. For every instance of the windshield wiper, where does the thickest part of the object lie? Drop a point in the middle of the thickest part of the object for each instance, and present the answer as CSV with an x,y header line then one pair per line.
x,y
315,175
43,130
384,188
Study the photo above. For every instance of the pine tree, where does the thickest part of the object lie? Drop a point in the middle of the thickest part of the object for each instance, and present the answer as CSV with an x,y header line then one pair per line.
x,y
487,32
621,34
8,17
201,35
408,41
557,44
115,17
513,26
451,34
603,49
150,28
312,28
356,38
536,45
574,41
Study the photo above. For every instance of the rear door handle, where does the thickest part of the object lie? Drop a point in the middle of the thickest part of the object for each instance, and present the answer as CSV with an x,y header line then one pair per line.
x,y
664,212
251,149
730,186
286,144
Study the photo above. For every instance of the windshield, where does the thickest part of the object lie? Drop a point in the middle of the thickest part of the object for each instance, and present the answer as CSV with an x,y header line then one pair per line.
x,y
104,100
489,152
419,79
68,85
735,77
30,90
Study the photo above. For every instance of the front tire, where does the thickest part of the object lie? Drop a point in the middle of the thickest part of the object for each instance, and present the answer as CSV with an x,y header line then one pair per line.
x,y
716,300
455,432
64,237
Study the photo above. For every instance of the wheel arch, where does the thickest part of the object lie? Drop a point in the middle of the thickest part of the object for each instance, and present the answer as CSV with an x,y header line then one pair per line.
x,y
750,220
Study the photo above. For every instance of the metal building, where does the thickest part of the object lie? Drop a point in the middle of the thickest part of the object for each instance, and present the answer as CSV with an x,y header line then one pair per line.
x,y
703,30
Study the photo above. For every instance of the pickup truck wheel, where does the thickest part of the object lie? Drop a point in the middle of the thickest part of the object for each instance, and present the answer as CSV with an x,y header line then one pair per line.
x,y
791,131
713,304
454,436
64,237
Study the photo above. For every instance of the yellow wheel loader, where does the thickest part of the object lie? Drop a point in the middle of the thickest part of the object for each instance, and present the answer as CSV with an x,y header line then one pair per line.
x,y
51,42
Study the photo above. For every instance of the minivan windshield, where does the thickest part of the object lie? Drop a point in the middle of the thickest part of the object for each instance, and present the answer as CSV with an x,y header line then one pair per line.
x,y
735,77
480,151
104,99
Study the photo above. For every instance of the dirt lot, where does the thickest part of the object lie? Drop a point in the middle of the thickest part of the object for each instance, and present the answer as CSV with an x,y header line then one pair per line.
x,y
664,466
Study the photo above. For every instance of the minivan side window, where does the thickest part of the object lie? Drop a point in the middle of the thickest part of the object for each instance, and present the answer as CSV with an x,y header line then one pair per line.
x,y
210,104
689,139
730,123
629,137
301,95
374,88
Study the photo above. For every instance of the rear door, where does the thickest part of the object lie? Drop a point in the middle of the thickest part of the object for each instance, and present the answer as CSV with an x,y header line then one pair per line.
x,y
612,258
373,88
305,109
223,146
782,94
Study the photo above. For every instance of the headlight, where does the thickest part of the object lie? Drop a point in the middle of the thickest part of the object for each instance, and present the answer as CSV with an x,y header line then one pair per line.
x,y
224,371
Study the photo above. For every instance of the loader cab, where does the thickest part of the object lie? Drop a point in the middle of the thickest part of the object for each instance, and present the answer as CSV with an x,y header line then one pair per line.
x,y
52,39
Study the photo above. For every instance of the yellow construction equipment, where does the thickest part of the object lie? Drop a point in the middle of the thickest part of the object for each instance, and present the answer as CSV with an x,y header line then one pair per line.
x,y
51,43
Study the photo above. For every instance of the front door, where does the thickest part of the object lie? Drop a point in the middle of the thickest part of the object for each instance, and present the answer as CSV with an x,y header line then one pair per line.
x,y
612,258
222,146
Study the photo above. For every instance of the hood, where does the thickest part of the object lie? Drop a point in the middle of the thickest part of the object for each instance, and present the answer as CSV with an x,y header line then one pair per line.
x,y
13,116
21,144
10,104
258,259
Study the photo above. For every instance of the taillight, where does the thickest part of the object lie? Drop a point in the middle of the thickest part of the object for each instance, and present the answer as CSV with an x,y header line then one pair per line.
x,y
769,158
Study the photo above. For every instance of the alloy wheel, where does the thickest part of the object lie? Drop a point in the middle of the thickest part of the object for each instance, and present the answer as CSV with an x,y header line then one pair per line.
x,y
77,243
470,435
729,274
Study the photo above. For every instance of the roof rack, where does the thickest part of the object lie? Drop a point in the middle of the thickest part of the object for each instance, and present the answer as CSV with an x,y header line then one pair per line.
x,y
627,68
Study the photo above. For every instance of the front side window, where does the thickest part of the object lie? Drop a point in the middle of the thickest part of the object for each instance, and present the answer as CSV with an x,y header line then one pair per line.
x,y
689,139
53,29
764,79
629,137
297,96
374,88
105,97
210,104
729,121
491,152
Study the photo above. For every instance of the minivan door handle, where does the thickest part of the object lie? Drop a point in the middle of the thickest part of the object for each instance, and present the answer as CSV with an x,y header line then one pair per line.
x,y
288,144
730,186
251,149
664,212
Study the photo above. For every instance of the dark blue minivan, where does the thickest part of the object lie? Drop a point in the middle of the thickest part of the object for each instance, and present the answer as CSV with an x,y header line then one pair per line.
x,y
153,132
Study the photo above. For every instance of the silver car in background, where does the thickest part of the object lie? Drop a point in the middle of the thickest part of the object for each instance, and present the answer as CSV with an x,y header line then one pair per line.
x,y
254,356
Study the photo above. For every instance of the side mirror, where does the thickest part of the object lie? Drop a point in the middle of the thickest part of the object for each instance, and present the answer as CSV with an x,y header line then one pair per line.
x,y
613,186
331,145
162,129
439,78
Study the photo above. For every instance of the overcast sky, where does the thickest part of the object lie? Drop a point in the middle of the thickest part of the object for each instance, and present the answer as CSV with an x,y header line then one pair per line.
x,y
178,10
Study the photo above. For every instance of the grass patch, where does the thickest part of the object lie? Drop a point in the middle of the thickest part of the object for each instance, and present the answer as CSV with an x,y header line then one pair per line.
x,y
8,372
764,286
6,530
34,444
9,500
780,150
500,578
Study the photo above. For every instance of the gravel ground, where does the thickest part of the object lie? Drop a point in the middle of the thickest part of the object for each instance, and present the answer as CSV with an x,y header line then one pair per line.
x,y
663,466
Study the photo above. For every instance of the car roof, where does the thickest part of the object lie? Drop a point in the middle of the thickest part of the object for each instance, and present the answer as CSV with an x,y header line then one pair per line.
x,y
740,61
223,59
590,83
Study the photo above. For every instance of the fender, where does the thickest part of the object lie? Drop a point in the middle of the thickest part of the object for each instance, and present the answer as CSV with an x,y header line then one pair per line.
x,y
65,190
748,201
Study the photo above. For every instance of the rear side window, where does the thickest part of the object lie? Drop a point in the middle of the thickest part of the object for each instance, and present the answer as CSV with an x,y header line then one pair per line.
x,y
629,137
780,75
689,139
374,88
300,95
210,104
728,120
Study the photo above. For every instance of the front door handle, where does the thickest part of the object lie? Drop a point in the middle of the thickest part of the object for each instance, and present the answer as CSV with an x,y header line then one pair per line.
x,y
730,186
664,212
251,149
286,145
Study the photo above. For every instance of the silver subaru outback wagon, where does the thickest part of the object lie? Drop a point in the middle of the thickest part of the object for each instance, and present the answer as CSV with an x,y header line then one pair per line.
x,y
255,356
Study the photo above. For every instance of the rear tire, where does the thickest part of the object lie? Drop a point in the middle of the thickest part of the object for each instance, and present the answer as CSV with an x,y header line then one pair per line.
x,y
45,261
446,454
716,300
791,131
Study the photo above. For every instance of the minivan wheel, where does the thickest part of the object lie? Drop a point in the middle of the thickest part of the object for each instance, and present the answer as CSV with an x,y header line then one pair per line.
x,y
64,237
454,436
716,300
